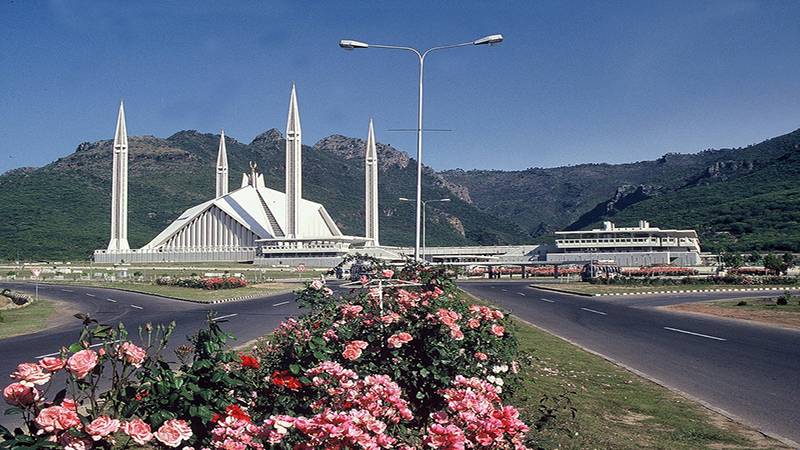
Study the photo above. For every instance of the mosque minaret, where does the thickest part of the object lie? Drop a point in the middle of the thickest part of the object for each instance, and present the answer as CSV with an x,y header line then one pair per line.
x,y
119,187
222,167
294,167
371,188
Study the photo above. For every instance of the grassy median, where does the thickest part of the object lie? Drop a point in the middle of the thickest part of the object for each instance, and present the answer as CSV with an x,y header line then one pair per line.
x,y
592,289
765,310
615,408
29,319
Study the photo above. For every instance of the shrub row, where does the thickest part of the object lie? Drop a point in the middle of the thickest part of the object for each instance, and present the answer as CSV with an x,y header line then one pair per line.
x,y
702,281
210,283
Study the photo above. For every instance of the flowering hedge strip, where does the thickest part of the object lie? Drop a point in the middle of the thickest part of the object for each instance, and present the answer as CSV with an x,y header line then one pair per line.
x,y
404,368
734,279
208,283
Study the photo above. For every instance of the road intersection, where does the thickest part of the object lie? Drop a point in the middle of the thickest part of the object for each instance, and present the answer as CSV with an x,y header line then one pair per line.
x,y
749,371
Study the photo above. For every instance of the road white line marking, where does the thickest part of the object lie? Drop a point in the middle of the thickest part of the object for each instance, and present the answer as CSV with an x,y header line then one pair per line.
x,y
136,306
90,295
67,290
595,311
223,317
695,334
504,290
521,293
111,300
547,300
281,304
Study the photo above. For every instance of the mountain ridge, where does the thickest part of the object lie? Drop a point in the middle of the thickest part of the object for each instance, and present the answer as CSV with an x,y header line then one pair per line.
x,y
739,198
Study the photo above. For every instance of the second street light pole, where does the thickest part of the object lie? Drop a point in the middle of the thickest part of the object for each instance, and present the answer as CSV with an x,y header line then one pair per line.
x,y
349,44
424,221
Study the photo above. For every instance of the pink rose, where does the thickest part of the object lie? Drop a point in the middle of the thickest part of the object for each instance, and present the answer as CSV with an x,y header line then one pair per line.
x,y
352,350
317,285
351,311
387,273
52,364
69,404
132,354
139,431
18,394
56,418
173,432
456,333
397,340
480,356
30,374
81,363
473,323
498,330
102,427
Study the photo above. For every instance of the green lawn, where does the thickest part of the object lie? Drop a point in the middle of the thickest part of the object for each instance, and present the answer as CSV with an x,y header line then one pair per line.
x,y
197,295
26,320
761,304
589,288
615,408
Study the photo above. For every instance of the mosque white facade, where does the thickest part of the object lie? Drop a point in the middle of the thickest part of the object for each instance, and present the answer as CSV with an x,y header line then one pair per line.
x,y
251,223
254,223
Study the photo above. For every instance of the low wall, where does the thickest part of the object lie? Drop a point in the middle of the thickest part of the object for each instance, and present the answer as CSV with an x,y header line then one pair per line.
x,y
144,256
631,259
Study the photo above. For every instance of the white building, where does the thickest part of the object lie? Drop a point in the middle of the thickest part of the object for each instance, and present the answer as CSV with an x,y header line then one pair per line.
x,y
628,246
256,224
251,223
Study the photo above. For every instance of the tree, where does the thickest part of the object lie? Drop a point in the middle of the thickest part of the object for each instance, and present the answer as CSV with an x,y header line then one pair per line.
x,y
775,263
754,258
788,258
732,260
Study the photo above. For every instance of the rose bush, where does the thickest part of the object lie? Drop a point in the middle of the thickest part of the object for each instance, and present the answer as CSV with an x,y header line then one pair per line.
x,y
208,283
401,361
422,338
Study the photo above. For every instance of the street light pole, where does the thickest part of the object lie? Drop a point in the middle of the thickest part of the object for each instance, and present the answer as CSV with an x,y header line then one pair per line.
x,y
424,221
349,44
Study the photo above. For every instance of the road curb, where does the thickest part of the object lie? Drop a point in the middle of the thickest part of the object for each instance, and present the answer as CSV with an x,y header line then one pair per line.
x,y
693,291
214,302
562,291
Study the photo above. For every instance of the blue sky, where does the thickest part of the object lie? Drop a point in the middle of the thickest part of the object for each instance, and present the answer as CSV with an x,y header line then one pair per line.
x,y
574,82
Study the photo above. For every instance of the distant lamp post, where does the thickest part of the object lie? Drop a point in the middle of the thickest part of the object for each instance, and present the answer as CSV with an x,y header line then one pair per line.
x,y
424,206
349,44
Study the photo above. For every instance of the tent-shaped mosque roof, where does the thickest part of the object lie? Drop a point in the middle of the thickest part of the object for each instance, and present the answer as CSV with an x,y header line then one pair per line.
x,y
259,210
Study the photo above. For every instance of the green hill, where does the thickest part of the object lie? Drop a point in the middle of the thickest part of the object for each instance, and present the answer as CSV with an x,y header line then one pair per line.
x,y
62,210
738,199
757,211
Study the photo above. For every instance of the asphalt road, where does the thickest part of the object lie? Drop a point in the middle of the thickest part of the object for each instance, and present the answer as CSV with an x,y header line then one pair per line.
x,y
246,320
748,370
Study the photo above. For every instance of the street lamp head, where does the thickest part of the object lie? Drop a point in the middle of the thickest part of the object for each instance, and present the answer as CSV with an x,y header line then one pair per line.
x,y
349,44
492,39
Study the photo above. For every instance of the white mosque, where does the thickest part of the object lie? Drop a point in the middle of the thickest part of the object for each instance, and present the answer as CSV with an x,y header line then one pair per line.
x,y
261,225
251,223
